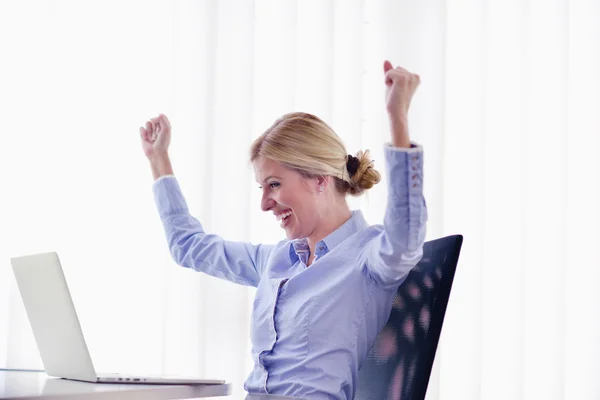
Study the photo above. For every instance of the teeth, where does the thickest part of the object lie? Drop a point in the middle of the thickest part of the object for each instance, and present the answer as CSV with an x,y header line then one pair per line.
x,y
284,215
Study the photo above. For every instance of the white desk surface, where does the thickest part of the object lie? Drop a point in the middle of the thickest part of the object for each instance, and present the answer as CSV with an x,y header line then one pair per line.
x,y
37,385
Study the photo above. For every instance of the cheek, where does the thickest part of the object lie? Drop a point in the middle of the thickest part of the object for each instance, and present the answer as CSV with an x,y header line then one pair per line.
x,y
286,199
287,196
303,204
296,198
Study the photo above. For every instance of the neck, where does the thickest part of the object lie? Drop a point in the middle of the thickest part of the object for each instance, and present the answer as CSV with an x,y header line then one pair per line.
x,y
335,218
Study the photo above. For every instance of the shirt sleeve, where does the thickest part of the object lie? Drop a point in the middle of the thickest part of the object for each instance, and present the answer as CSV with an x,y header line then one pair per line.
x,y
191,247
399,247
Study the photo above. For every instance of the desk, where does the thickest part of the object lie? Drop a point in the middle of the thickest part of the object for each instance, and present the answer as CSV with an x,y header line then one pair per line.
x,y
37,385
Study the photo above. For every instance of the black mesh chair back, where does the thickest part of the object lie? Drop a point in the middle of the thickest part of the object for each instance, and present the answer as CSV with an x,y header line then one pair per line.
x,y
399,364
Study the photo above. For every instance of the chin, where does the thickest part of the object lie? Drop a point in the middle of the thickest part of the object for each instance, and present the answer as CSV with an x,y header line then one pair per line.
x,y
291,235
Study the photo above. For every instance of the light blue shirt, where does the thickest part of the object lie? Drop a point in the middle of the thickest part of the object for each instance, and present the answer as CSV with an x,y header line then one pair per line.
x,y
312,327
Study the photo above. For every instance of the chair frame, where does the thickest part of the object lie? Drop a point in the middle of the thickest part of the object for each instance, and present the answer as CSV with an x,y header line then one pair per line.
x,y
425,364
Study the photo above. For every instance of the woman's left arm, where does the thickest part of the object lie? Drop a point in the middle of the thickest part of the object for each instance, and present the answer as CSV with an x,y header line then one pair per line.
x,y
400,88
399,246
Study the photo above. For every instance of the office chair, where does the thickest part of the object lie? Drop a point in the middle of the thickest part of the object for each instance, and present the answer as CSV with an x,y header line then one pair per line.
x,y
399,364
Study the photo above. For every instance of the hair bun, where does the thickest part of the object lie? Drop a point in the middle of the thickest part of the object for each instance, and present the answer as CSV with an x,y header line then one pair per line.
x,y
366,176
352,165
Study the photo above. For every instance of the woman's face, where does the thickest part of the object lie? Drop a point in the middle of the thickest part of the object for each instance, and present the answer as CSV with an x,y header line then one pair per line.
x,y
289,196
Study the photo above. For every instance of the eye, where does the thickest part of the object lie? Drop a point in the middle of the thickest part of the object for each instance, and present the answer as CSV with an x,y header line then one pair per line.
x,y
272,185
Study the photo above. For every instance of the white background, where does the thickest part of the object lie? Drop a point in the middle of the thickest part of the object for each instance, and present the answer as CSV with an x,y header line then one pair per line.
x,y
507,113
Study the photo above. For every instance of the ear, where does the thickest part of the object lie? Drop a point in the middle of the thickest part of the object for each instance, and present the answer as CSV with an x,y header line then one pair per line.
x,y
322,182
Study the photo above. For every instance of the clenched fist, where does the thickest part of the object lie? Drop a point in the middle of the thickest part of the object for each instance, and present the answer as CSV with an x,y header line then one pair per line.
x,y
400,88
156,136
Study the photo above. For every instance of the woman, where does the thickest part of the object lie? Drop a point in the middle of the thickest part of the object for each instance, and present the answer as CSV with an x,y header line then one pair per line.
x,y
323,294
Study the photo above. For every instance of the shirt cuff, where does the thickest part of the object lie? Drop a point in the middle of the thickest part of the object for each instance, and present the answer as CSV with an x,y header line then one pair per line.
x,y
414,148
163,177
168,196
405,171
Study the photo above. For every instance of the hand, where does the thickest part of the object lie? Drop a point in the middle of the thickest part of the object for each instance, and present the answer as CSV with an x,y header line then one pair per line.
x,y
156,137
400,88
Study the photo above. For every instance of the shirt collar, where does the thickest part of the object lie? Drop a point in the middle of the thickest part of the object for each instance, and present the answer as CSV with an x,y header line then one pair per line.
x,y
356,223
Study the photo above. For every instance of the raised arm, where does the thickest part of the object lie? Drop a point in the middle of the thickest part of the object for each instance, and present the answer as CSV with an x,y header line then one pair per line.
x,y
399,246
190,246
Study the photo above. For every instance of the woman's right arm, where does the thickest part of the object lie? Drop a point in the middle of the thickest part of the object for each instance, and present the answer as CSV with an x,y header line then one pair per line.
x,y
190,246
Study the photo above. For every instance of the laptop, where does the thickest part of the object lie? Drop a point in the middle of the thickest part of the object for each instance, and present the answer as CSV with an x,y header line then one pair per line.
x,y
56,328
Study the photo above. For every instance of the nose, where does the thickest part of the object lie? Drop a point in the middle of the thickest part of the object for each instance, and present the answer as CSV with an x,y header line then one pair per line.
x,y
267,202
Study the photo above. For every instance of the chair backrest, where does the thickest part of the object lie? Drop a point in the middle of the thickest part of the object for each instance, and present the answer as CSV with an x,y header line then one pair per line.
x,y
399,364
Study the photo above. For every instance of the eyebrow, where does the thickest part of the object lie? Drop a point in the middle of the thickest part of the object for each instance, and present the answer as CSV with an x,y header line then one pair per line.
x,y
271,176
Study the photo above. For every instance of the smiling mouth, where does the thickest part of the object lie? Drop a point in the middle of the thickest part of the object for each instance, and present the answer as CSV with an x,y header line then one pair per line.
x,y
285,218
284,215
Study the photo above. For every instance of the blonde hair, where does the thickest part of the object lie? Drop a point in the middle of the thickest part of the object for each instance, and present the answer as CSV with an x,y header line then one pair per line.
x,y
306,144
